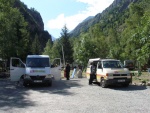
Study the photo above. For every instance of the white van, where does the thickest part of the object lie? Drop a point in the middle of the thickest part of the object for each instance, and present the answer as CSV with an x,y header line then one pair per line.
x,y
109,72
36,70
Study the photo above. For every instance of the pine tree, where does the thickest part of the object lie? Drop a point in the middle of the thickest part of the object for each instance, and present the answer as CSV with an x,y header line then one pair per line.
x,y
36,47
65,42
14,37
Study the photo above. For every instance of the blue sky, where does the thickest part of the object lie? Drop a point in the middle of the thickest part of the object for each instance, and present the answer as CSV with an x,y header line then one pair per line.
x,y
57,13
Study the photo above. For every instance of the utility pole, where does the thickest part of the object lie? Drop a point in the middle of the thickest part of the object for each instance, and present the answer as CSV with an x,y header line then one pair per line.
x,y
63,55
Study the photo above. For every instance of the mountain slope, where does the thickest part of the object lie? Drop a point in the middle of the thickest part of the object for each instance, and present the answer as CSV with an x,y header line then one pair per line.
x,y
120,5
35,23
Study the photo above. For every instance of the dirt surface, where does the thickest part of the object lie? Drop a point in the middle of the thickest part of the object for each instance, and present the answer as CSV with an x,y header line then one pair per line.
x,y
73,96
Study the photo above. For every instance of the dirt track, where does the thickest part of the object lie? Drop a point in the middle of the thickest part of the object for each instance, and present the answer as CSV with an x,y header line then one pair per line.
x,y
73,96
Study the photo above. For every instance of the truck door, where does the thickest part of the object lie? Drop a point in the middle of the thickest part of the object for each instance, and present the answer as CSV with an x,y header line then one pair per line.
x,y
56,68
17,69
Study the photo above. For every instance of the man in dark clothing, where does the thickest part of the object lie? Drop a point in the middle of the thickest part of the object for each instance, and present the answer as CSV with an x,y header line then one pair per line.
x,y
68,71
93,73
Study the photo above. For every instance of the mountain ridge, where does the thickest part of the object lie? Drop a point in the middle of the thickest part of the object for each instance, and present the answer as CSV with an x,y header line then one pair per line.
x,y
85,25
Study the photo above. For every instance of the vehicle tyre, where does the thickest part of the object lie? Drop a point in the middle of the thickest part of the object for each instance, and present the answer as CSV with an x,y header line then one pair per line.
x,y
21,82
98,83
25,84
126,85
49,83
103,83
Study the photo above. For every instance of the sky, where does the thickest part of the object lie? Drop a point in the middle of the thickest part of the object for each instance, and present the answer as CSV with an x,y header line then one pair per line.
x,y
57,13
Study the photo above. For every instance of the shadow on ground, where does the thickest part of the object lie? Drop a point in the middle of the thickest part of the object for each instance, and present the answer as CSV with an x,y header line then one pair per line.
x,y
129,88
12,95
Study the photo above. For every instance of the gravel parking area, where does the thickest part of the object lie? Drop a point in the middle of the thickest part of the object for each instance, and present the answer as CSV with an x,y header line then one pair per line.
x,y
73,96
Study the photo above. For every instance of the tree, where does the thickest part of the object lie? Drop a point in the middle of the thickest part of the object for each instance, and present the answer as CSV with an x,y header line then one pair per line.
x,y
14,37
52,49
136,34
48,48
36,47
67,47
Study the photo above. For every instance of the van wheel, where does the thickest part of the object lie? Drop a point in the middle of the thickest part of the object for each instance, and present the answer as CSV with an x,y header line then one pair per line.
x,y
103,83
25,84
50,83
21,82
126,85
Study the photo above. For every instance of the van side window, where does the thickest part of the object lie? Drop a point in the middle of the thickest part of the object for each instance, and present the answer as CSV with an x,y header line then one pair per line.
x,y
17,63
99,65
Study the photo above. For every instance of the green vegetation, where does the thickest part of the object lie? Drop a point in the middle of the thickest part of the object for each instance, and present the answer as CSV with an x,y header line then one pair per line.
x,y
122,32
21,30
60,46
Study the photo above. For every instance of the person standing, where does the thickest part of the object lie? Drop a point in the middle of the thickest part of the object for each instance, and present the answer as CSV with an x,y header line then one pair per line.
x,y
93,73
68,71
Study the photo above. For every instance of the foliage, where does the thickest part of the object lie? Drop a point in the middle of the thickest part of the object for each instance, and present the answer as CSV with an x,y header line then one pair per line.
x,y
66,45
120,33
14,37
36,46
52,49
18,27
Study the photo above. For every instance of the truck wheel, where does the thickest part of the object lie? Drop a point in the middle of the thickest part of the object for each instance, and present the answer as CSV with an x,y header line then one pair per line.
x,y
103,83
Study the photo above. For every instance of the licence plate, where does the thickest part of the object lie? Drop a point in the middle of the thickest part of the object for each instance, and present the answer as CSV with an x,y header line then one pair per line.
x,y
121,80
37,81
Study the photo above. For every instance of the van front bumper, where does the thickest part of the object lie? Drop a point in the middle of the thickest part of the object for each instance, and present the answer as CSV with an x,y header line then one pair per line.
x,y
116,81
37,81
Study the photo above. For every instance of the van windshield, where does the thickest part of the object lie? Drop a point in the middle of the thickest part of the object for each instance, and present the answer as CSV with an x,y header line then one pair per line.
x,y
37,62
112,64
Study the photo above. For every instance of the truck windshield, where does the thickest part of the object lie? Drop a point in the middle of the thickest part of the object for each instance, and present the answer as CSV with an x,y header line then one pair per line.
x,y
37,62
112,64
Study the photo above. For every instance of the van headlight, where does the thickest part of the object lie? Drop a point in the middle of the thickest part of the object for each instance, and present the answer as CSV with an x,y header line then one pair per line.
x,y
49,76
110,74
26,76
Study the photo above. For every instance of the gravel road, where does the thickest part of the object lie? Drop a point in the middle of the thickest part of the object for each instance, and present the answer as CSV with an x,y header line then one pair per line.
x,y
73,96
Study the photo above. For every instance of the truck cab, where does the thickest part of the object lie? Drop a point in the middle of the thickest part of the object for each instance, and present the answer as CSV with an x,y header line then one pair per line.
x,y
109,72
36,70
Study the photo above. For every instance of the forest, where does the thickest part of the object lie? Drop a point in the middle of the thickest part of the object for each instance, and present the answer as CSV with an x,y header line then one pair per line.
x,y
21,30
122,32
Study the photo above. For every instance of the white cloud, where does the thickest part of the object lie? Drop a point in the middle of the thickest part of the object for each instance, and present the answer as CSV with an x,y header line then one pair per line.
x,y
57,23
93,7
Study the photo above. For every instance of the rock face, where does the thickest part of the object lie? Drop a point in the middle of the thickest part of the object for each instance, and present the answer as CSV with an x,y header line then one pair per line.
x,y
35,23
37,19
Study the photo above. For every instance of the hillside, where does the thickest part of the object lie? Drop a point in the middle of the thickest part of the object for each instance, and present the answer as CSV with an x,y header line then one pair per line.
x,y
119,5
35,23
22,30
121,31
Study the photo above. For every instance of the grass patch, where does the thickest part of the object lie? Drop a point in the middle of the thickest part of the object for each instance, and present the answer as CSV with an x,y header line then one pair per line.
x,y
143,78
